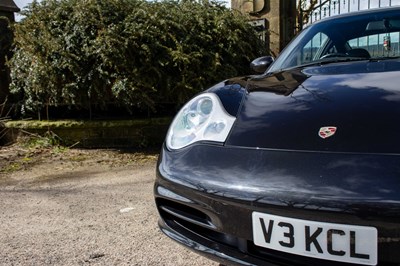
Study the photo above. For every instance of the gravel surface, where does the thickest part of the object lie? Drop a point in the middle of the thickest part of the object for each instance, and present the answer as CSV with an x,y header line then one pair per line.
x,y
80,207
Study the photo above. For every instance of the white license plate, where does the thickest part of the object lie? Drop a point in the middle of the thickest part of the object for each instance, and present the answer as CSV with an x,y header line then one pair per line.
x,y
329,241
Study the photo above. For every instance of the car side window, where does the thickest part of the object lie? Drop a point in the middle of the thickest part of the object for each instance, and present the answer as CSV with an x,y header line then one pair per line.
x,y
378,45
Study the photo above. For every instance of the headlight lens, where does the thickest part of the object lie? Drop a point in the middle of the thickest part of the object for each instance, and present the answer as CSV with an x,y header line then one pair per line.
x,y
202,118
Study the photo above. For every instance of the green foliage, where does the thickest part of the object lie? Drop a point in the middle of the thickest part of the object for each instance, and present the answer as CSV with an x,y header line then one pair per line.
x,y
48,140
133,52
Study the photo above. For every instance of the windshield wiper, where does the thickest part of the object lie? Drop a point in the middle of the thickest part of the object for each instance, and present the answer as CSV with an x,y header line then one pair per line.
x,y
338,59
384,58
331,60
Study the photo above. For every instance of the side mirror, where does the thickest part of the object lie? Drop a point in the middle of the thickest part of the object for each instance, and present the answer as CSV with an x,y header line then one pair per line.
x,y
261,64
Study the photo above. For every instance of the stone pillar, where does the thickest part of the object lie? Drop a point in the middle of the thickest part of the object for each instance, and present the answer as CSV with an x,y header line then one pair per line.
x,y
280,16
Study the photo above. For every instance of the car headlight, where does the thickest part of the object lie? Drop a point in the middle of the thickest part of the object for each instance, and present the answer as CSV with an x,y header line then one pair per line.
x,y
202,118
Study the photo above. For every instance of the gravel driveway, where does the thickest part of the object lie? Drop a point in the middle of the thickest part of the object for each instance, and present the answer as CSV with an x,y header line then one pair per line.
x,y
82,207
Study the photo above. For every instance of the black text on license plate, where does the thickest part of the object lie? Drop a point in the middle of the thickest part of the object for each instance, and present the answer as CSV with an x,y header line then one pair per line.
x,y
336,242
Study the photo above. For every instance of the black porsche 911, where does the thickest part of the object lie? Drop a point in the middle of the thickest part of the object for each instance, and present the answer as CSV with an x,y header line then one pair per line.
x,y
299,165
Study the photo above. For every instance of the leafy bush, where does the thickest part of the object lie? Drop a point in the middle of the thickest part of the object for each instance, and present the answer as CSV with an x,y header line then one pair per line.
x,y
131,52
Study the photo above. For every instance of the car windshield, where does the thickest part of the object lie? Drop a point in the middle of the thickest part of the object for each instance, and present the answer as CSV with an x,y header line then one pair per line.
x,y
366,35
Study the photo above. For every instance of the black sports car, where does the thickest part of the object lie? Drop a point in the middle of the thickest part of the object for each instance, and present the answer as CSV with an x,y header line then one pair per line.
x,y
299,165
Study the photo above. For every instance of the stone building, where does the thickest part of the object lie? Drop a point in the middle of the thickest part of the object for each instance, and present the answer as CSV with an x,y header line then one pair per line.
x,y
276,20
7,9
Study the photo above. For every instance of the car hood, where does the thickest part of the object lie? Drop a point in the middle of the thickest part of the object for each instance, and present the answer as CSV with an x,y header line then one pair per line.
x,y
288,109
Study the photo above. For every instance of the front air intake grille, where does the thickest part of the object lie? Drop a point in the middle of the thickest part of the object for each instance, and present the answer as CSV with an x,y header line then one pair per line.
x,y
186,218
179,211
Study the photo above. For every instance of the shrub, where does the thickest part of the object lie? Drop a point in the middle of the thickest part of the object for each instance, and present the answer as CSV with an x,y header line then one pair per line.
x,y
130,52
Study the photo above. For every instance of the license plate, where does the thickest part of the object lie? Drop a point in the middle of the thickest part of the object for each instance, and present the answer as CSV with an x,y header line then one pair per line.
x,y
329,241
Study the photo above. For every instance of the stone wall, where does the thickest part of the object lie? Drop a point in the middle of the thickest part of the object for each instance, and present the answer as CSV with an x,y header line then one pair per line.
x,y
97,134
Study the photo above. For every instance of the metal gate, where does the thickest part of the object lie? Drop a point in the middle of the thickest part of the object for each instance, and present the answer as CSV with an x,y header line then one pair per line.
x,y
336,7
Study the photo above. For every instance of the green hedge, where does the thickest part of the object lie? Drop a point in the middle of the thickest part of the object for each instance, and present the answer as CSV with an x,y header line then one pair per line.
x,y
135,53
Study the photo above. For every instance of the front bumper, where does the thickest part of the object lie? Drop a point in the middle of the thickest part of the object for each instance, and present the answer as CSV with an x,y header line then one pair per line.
x,y
206,195
205,246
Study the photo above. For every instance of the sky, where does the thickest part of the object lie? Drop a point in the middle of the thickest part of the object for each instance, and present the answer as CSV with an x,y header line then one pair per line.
x,y
21,4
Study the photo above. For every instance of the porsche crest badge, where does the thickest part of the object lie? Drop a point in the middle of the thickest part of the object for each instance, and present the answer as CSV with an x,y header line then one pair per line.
x,y
326,132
